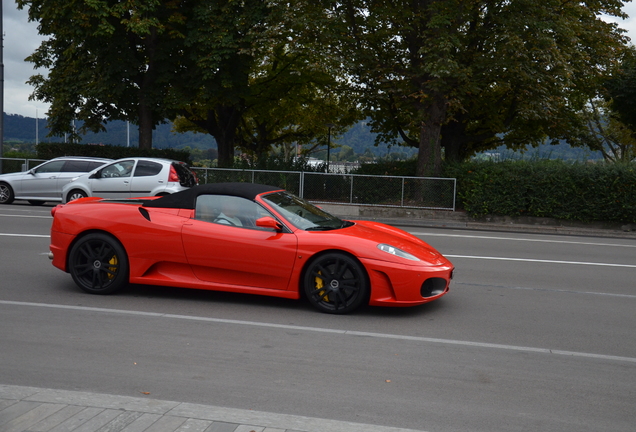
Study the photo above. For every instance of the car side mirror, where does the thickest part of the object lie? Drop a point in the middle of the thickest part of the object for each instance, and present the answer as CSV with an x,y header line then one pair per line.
x,y
269,223
96,175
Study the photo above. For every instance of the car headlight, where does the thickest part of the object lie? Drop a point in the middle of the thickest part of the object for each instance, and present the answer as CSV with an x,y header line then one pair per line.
x,y
397,252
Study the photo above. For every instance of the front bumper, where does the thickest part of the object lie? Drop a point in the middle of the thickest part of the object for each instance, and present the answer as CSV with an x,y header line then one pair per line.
x,y
406,285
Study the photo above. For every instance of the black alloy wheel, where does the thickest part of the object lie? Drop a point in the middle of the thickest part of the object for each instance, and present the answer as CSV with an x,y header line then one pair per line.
x,y
98,264
336,283
6,194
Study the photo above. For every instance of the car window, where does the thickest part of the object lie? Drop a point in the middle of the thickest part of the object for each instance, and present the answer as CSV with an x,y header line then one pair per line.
x,y
119,169
79,166
93,165
147,168
229,210
53,166
303,214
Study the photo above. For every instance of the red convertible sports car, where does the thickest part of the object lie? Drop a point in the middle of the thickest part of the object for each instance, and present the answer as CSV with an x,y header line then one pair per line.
x,y
246,238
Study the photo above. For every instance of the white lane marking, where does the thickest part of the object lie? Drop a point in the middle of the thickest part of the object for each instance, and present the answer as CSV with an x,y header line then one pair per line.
x,y
24,235
424,234
545,290
541,261
330,331
26,216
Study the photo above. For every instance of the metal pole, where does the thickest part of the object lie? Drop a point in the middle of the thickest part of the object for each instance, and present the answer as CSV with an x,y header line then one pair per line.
x,y
1,89
329,126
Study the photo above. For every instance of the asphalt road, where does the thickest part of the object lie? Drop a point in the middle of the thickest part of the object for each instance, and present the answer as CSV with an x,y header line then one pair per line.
x,y
537,333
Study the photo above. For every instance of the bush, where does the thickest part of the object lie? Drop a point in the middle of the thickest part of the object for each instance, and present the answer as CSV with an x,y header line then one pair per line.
x,y
547,188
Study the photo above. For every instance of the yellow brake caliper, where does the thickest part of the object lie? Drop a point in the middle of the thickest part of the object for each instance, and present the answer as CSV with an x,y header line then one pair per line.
x,y
320,285
113,262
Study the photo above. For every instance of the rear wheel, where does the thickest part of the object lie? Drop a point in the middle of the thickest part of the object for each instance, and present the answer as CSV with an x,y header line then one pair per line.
x,y
98,264
336,283
6,194
75,194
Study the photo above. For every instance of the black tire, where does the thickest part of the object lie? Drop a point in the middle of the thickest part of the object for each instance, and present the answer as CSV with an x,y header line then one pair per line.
x,y
6,194
75,194
98,264
336,283
36,202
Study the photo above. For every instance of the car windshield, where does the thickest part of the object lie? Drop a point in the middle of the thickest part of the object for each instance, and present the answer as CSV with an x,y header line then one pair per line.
x,y
302,214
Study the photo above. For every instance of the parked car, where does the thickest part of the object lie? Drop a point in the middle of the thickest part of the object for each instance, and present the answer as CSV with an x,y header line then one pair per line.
x,y
45,181
246,238
131,177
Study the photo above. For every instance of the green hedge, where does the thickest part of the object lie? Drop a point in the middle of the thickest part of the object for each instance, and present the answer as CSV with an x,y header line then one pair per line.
x,y
52,150
555,189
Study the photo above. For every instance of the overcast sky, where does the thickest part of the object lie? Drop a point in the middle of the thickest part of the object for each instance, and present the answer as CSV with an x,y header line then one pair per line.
x,y
21,39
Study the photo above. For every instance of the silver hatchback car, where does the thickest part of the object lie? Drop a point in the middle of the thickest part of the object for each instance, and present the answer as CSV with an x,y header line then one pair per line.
x,y
45,181
132,177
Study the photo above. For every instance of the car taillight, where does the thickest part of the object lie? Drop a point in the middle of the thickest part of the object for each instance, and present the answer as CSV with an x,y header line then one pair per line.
x,y
173,176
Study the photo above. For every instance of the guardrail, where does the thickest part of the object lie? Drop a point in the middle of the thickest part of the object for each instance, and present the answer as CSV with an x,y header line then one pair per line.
x,y
324,188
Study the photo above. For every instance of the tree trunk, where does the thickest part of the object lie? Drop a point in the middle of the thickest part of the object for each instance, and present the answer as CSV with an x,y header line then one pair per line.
x,y
429,158
145,126
453,141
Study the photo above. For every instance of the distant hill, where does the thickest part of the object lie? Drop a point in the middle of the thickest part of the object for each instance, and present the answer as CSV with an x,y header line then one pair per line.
x,y
23,129
359,137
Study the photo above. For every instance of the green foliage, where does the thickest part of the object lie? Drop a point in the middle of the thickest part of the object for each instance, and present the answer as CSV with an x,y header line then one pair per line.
x,y
106,60
52,150
621,89
556,189
491,72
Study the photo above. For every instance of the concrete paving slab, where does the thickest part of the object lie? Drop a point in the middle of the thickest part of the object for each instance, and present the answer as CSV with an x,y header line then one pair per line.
x,y
30,409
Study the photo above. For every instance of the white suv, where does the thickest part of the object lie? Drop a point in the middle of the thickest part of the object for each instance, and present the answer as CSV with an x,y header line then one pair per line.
x,y
45,181
132,177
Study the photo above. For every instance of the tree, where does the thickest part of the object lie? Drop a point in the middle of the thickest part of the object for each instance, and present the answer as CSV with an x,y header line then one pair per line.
x,y
606,133
467,75
107,60
621,89
254,78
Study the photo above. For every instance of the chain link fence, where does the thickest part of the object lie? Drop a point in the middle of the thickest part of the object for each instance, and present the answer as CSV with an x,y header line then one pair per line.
x,y
12,165
351,189
327,188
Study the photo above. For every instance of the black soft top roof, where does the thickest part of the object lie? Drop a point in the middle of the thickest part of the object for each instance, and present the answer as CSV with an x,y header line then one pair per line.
x,y
187,199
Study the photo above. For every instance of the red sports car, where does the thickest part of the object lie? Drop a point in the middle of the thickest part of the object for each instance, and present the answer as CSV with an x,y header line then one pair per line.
x,y
247,238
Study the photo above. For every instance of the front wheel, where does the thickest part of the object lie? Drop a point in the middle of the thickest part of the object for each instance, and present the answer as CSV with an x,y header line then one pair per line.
x,y
336,283
75,194
6,194
98,264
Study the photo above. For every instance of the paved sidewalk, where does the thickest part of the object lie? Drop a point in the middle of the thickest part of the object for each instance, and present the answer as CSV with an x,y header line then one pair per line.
x,y
31,409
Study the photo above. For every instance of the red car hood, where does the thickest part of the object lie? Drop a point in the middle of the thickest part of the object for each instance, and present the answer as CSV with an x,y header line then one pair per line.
x,y
380,233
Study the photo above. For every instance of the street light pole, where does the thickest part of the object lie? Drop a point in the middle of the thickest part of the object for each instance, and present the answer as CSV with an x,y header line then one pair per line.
x,y
1,89
329,126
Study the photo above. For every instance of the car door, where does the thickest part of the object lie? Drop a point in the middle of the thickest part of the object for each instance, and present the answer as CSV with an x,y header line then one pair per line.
x,y
113,181
72,169
241,255
148,176
41,181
